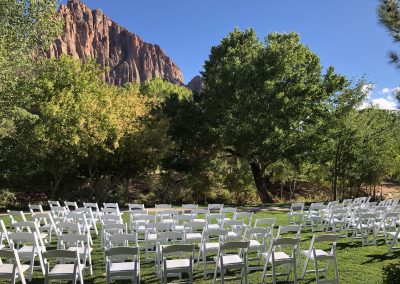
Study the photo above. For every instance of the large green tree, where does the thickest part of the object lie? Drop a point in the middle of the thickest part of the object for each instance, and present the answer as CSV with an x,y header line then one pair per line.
x,y
264,101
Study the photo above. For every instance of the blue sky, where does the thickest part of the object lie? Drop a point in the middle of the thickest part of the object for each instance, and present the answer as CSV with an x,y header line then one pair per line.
x,y
344,33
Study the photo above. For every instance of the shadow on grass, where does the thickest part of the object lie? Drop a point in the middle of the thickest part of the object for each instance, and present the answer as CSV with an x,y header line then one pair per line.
x,y
394,255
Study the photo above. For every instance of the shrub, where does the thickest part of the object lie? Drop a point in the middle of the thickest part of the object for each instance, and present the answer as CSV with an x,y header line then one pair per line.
x,y
7,198
391,273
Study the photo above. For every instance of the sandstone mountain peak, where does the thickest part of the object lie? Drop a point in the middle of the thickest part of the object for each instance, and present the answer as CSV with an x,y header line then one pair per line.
x,y
92,34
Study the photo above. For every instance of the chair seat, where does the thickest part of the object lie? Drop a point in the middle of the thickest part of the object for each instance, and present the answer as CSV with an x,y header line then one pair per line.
x,y
214,226
211,246
7,268
152,237
232,235
179,227
64,269
228,260
26,252
254,244
199,220
122,267
319,253
81,250
177,263
280,256
193,236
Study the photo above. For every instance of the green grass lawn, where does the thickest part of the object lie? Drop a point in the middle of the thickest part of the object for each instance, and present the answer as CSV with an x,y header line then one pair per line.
x,y
356,264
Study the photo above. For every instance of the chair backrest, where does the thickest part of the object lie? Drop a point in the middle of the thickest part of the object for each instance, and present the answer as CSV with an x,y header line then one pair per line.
x,y
94,206
16,216
289,229
111,205
234,245
219,234
226,210
189,207
73,240
53,203
265,223
170,237
135,206
70,206
59,253
35,208
123,253
110,211
298,206
68,228
16,272
162,206
111,219
291,243
157,227
236,226
122,240
29,227
24,238
245,216
200,211
58,211
194,226
215,206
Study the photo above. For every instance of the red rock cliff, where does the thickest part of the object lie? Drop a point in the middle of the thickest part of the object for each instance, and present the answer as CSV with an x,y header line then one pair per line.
x,y
91,34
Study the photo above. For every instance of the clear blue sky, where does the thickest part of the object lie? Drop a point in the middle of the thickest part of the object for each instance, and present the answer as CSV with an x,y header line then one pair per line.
x,y
344,33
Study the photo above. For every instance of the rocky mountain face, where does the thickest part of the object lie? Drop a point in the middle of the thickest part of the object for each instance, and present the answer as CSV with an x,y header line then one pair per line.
x,y
196,84
91,34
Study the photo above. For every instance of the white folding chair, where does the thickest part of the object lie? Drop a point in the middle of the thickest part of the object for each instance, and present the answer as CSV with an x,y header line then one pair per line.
x,y
166,238
95,209
81,220
70,206
235,229
267,223
12,269
200,214
187,208
246,217
16,216
30,227
122,240
177,259
276,258
136,206
46,224
228,210
80,244
111,229
290,231
211,240
3,235
123,263
215,207
28,248
231,255
62,270
258,239
35,208
394,240
151,232
53,203
296,212
91,220
180,221
364,228
314,216
193,232
214,221
317,254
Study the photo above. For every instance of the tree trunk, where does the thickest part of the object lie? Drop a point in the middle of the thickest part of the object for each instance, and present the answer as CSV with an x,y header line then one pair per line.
x,y
262,183
54,185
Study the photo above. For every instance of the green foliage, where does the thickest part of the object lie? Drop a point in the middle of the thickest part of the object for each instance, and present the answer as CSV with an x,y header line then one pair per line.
x,y
264,101
391,273
389,17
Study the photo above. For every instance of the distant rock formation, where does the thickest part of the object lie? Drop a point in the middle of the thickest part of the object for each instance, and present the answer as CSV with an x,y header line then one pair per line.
x,y
91,34
196,84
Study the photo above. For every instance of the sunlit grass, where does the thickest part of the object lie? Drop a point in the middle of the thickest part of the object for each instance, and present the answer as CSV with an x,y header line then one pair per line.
x,y
356,264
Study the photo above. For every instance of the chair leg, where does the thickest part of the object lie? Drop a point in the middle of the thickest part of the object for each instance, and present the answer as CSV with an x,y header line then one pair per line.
x,y
336,270
205,264
316,270
305,268
215,274
222,273
273,273
264,272
245,274
294,273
